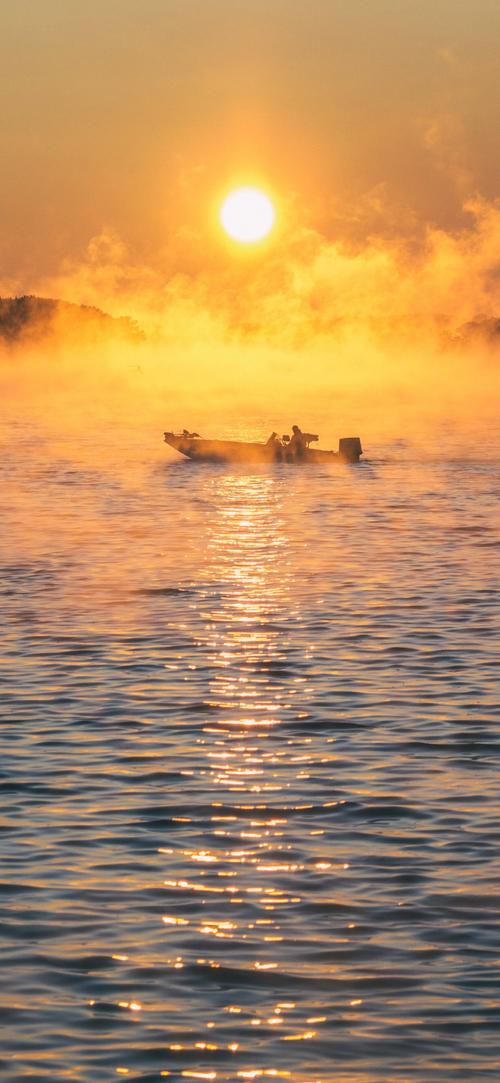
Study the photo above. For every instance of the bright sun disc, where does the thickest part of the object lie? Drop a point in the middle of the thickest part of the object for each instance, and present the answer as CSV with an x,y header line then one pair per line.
x,y
247,215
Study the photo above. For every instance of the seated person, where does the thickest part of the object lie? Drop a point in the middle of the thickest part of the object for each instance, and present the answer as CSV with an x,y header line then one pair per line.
x,y
301,440
297,443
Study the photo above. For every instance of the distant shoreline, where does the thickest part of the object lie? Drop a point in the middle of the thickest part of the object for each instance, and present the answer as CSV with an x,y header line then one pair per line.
x,y
26,319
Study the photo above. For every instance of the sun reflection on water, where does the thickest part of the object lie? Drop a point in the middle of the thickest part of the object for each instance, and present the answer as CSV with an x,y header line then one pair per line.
x,y
249,768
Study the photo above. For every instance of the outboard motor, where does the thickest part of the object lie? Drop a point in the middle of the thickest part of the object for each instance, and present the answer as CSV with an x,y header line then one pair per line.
x,y
350,449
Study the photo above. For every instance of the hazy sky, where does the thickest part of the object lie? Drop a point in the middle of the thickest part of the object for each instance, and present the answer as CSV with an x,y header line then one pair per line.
x,y
134,116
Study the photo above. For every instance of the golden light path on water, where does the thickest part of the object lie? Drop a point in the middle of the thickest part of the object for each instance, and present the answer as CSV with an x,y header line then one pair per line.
x,y
237,878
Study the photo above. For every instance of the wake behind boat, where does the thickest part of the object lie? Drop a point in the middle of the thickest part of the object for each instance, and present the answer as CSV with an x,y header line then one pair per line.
x,y
277,449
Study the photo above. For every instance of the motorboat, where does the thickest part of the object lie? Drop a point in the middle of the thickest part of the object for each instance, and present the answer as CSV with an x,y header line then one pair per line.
x,y
276,449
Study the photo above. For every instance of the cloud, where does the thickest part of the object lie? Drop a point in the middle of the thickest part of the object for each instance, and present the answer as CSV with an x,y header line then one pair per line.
x,y
304,288
377,328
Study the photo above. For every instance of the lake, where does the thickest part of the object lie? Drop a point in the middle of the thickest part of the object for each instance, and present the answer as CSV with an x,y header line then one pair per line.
x,y
249,772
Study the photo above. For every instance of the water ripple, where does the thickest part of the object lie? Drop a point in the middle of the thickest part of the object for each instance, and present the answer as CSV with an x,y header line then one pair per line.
x,y
249,775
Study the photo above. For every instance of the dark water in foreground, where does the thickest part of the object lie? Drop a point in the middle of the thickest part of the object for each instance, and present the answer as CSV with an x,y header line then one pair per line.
x,y
250,814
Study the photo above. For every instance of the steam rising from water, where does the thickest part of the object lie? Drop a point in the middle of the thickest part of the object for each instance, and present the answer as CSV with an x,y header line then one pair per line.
x,y
374,337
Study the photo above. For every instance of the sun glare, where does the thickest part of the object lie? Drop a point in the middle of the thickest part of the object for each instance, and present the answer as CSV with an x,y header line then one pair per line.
x,y
247,215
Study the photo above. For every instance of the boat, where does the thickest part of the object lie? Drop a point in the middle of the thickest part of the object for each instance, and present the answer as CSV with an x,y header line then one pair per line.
x,y
276,450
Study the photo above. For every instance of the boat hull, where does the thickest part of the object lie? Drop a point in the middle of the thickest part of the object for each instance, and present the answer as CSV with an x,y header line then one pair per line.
x,y
198,449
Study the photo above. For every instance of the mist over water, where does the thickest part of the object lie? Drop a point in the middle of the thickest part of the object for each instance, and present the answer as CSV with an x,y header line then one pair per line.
x,y
250,736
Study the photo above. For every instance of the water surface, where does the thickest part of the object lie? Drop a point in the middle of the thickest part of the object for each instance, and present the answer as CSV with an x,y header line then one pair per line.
x,y
249,788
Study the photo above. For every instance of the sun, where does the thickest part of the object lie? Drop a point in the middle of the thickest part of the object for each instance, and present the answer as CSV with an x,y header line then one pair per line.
x,y
247,215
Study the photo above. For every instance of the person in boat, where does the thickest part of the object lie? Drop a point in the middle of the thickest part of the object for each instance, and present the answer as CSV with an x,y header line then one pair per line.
x,y
297,444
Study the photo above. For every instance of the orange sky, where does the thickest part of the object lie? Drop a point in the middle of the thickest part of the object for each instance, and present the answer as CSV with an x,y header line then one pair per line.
x,y
131,116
